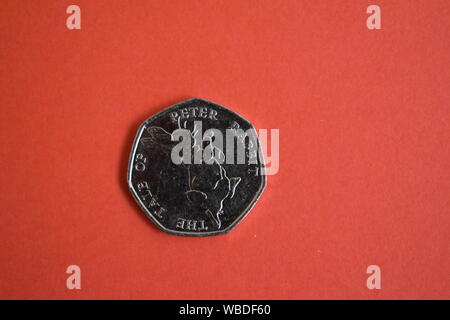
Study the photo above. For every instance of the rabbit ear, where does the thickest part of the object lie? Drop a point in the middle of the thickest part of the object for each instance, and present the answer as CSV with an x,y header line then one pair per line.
x,y
208,135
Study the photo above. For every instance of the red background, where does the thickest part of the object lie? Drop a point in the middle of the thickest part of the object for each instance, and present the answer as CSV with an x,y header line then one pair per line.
x,y
364,157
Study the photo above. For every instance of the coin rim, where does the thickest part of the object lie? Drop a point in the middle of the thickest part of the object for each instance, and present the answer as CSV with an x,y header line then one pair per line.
x,y
244,213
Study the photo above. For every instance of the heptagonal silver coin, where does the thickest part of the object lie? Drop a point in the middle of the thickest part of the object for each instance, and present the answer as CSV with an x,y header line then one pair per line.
x,y
196,168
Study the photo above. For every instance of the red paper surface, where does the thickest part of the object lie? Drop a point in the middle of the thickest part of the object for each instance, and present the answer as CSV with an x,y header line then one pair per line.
x,y
364,156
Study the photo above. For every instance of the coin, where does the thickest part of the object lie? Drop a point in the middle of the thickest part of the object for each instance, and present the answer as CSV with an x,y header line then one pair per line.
x,y
196,168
